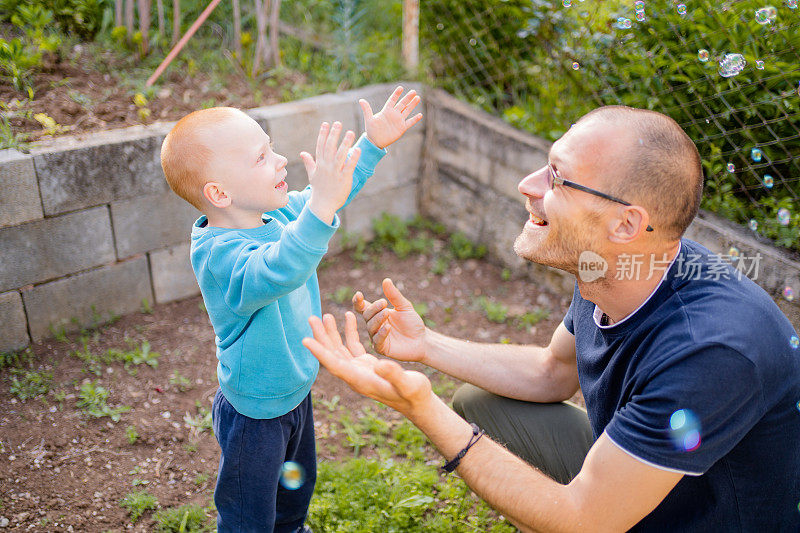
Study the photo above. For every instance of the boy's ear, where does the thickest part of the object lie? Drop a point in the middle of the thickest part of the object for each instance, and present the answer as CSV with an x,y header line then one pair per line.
x,y
214,193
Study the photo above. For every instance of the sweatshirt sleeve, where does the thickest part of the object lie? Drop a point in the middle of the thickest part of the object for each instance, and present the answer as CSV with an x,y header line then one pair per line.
x,y
250,275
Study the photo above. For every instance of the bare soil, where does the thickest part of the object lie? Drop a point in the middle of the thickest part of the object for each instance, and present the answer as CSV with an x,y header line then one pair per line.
x,y
61,470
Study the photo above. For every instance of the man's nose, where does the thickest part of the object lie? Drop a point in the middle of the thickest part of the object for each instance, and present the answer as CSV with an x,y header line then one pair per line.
x,y
535,184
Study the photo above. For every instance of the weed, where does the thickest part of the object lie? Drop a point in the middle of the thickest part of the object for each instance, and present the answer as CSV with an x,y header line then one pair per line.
x,y
331,404
342,294
201,478
59,333
137,503
86,355
495,311
15,359
136,482
463,248
190,447
422,310
135,356
441,265
186,518
202,306
505,275
30,384
92,401
444,388
181,382
131,434
201,421
531,318
146,307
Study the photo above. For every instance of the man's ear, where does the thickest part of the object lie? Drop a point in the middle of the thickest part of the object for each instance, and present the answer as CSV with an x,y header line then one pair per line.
x,y
632,222
214,193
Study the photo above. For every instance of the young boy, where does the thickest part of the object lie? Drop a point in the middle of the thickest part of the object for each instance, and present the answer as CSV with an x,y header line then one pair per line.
x,y
255,252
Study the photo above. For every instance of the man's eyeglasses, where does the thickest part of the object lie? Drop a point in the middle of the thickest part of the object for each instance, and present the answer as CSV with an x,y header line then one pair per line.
x,y
554,178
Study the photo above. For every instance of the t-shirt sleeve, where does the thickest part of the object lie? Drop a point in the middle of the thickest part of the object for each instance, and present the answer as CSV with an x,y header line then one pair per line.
x,y
690,410
568,320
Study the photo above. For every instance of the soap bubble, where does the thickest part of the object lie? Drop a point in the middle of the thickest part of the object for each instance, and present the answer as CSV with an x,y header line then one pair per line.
x,y
756,154
623,23
638,5
733,252
293,475
768,181
794,342
473,41
640,15
760,65
681,9
731,65
731,168
784,216
791,4
575,65
567,3
684,430
702,55
788,293
753,224
763,15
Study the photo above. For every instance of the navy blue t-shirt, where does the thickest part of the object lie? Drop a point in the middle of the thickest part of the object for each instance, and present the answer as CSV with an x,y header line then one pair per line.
x,y
702,379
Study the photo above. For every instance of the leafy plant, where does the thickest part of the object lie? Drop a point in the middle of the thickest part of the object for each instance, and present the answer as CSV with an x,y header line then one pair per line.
x,y
137,355
30,384
495,311
342,294
181,382
131,434
92,401
200,421
137,503
531,318
186,518
463,248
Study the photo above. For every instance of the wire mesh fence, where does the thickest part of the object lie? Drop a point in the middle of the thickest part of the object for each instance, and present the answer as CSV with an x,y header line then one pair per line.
x,y
728,73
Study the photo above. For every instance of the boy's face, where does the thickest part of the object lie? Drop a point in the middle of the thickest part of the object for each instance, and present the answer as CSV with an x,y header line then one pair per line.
x,y
251,174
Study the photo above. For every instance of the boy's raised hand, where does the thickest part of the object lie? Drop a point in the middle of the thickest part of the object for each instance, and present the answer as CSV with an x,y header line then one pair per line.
x,y
391,122
331,172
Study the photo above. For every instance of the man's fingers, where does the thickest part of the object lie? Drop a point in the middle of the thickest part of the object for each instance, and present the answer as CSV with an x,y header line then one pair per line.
x,y
365,107
374,323
321,138
351,339
394,97
359,303
372,309
391,372
395,296
380,336
330,328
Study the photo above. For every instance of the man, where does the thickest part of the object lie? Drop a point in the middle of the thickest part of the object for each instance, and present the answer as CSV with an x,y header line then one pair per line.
x,y
689,370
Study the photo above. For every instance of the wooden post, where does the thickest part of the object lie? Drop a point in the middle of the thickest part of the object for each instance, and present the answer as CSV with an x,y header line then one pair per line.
x,y
237,30
176,21
118,12
274,28
144,26
129,17
411,35
160,11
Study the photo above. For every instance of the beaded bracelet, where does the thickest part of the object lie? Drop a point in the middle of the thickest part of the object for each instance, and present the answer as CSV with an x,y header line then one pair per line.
x,y
477,433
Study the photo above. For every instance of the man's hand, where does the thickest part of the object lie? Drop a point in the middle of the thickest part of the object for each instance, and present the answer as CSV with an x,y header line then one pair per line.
x,y
403,390
392,121
398,333
331,173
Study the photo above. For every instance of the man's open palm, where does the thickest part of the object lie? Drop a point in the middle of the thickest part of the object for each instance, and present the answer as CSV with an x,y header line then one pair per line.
x,y
398,333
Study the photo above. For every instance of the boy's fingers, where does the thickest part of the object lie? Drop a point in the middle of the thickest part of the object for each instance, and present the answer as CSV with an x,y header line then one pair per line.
x,y
413,120
350,164
332,140
366,108
321,138
406,99
341,153
308,162
411,105
394,97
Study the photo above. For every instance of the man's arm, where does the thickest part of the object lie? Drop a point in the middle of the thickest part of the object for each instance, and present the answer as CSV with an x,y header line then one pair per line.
x,y
612,492
530,373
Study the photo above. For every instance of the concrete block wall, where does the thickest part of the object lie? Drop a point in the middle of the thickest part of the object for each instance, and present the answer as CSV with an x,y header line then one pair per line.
x,y
473,163
89,228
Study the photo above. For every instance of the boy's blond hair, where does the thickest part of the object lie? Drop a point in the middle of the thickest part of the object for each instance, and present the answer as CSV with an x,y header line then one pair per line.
x,y
186,154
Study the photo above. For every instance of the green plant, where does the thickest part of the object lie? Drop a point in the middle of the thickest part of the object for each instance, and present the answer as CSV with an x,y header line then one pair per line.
x,y
422,310
342,294
201,478
495,311
30,384
14,359
137,355
186,518
441,265
92,401
137,503
531,318
146,307
131,434
200,421
181,382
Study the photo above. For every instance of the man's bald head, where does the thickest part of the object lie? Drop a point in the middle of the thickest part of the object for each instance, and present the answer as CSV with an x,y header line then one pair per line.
x,y
651,162
188,150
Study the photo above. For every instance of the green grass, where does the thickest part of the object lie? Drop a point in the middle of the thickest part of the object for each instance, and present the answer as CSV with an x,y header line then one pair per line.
x,y
30,384
131,434
137,503
92,401
186,518
182,383
495,312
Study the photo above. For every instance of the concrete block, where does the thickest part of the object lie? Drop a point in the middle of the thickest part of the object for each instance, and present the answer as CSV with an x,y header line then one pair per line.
x,y
502,223
173,277
151,222
469,162
53,247
87,298
20,200
366,207
294,126
101,168
400,166
454,200
14,333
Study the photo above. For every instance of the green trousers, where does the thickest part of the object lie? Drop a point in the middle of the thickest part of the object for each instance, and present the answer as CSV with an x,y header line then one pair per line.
x,y
553,437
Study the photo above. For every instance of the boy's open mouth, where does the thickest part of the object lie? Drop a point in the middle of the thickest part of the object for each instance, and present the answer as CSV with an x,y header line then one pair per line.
x,y
281,184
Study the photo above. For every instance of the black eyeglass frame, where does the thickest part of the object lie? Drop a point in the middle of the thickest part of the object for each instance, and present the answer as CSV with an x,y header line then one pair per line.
x,y
556,179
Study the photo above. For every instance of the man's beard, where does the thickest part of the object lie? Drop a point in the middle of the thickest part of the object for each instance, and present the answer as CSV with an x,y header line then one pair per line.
x,y
559,249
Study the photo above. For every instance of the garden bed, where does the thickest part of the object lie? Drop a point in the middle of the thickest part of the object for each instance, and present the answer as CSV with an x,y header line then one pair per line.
x,y
64,470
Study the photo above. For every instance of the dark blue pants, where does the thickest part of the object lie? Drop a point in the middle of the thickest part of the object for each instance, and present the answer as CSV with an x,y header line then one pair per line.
x,y
249,495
